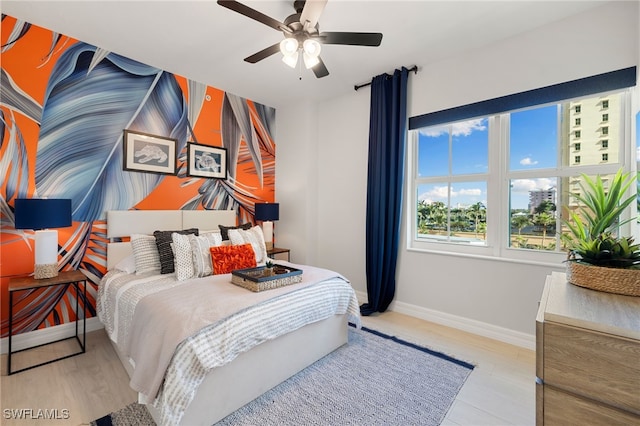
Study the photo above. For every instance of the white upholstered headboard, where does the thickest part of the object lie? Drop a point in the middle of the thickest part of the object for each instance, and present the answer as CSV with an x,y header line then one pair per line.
x,y
123,223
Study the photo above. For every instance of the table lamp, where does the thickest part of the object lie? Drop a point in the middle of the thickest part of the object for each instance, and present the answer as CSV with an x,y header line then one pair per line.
x,y
267,212
40,214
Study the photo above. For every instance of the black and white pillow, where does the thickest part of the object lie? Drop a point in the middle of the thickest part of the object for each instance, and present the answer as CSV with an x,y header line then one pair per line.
x,y
182,256
225,229
163,242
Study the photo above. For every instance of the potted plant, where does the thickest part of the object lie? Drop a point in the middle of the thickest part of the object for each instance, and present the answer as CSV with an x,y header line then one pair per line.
x,y
268,268
598,258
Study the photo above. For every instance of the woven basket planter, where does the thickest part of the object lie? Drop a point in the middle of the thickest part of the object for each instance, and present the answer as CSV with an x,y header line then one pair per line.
x,y
610,280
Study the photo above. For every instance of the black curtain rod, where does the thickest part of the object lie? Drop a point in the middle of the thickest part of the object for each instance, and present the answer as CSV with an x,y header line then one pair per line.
x,y
358,86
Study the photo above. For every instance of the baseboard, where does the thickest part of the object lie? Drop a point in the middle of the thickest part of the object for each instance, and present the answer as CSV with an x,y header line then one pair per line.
x,y
513,337
45,335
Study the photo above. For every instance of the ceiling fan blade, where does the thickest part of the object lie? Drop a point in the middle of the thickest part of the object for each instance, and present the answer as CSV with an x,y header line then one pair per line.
x,y
311,13
264,53
353,39
320,70
254,14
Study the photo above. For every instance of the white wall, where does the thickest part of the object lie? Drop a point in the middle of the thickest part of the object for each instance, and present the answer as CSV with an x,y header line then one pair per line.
x,y
475,294
296,181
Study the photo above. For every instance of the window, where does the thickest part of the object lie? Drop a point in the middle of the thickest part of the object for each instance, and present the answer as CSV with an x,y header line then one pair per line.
x,y
578,121
451,183
605,117
605,104
467,198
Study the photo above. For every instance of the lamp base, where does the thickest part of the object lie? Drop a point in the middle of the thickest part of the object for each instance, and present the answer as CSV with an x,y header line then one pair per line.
x,y
49,270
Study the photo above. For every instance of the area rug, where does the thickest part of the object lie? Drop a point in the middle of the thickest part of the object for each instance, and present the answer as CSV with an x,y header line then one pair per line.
x,y
374,380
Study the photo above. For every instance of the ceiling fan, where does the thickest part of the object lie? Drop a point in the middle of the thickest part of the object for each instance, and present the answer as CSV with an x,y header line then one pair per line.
x,y
301,32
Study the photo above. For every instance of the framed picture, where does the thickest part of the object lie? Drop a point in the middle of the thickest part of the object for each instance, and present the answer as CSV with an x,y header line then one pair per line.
x,y
149,153
206,161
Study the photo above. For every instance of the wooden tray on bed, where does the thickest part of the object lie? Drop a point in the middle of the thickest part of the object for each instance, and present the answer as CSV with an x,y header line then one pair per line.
x,y
258,279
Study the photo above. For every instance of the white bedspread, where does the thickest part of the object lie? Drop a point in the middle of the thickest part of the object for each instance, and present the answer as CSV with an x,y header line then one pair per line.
x,y
193,326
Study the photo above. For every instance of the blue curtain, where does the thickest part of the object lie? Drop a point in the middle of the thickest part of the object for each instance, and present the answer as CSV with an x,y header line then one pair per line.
x,y
387,140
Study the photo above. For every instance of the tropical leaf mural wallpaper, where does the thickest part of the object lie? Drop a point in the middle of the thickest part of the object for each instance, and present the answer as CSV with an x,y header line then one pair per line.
x,y
63,108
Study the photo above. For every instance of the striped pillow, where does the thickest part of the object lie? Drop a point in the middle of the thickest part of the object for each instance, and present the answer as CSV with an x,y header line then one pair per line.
x,y
201,256
163,242
253,236
145,252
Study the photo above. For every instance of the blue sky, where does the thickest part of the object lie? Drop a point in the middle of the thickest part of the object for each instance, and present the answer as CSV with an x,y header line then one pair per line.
x,y
534,138
534,135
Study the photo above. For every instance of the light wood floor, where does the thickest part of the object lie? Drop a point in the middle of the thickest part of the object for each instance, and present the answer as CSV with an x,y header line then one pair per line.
x,y
500,391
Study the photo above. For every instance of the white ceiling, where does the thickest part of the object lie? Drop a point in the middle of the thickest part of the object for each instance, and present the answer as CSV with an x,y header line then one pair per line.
x,y
205,42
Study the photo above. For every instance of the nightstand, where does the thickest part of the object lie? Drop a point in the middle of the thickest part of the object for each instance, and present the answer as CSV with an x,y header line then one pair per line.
x,y
275,251
67,278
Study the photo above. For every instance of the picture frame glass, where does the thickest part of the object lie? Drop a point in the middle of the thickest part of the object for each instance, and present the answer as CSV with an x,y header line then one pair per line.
x,y
206,161
144,152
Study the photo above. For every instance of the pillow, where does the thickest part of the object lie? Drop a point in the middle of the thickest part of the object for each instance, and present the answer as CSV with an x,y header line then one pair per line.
x,y
163,243
252,236
200,254
224,229
229,258
146,254
128,264
183,262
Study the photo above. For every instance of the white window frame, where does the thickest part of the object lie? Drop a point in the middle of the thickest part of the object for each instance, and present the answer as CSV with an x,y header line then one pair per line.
x,y
498,177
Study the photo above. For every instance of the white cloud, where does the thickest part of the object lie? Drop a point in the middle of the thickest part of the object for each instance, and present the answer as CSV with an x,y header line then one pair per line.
x,y
527,161
638,154
473,192
434,132
439,193
523,186
464,128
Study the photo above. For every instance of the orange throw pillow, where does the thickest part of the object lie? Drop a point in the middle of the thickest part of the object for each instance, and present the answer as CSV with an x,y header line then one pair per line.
x,y
229,258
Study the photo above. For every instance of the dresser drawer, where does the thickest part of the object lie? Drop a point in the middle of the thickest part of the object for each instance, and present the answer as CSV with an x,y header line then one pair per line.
x,y
561,408
597,366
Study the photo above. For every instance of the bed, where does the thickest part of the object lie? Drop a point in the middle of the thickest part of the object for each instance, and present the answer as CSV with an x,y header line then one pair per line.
x,y
235,350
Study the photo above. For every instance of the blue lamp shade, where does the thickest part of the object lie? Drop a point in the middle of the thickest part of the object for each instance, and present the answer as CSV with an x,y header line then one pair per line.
x,y
42,213
267,211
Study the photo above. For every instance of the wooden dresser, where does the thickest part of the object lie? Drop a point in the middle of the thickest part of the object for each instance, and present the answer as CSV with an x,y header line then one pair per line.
x,y
587,356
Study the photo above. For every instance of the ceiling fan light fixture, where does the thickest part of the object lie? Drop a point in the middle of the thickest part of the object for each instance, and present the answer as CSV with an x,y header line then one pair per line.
x,y
301,32
289,46
309,60
291,59
311,47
